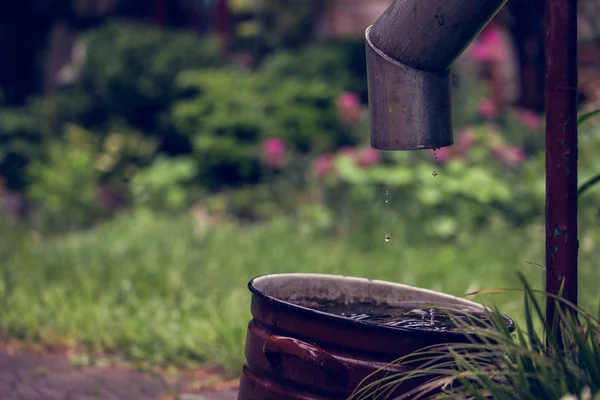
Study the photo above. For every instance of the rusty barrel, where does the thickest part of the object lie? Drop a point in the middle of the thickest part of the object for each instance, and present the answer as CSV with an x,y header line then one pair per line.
x,y
296,352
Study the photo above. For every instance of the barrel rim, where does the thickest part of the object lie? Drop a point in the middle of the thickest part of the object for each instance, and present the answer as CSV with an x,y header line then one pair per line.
x,y
510,325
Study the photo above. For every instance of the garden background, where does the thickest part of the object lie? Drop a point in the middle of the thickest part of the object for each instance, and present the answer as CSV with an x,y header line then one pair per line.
x,y
156,156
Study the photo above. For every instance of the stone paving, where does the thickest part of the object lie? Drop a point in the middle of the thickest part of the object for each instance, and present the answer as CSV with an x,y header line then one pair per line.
x,y
42,376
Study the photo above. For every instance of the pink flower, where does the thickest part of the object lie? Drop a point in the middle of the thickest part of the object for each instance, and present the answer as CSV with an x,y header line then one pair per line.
x,y
479,52
490,46
368,156
273,153
323,165
466,140
347,151
514,155
509,154
349,107
530,119
487,108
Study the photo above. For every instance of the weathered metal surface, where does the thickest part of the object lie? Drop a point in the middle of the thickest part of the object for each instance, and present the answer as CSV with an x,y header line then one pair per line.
x,y
561,152
430,35
410,50
294,352
410,108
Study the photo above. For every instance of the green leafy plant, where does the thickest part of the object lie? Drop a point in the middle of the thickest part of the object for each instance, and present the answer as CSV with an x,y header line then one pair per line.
x,y
64,183
453,196
131,69
162,185
342,64
127,82
232,112
225,121
65,178
24,131
501,365
274,24
483,178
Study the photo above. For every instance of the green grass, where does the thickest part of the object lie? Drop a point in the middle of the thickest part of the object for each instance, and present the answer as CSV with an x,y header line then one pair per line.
x,y
528,363
153,290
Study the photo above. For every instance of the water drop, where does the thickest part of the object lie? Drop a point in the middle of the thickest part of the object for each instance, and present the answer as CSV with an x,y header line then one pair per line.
x,y
387,201
434,174
435,154
387,237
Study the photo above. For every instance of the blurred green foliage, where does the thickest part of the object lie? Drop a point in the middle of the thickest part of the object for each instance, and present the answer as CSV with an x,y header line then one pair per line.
x,y
65,178
131,70
162,185
468,191
127,84
268,25
339,63
232,112
159,117
135,80
24,132
172,289
457,197
65,183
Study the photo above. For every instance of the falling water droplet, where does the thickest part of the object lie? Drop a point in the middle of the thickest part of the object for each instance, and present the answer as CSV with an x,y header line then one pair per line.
x,y
434,174
435,154
387,237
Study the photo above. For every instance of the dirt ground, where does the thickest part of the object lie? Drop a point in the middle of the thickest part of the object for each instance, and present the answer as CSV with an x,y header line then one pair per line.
x,y
28,375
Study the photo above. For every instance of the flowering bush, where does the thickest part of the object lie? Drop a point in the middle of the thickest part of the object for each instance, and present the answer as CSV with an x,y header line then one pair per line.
x,y
452,190
324,165
241,123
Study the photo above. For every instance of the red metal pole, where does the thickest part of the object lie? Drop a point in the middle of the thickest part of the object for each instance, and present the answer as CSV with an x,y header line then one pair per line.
x,y
159,14
223,25
561,152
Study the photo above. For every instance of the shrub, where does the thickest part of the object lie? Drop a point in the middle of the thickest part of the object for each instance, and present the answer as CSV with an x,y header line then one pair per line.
x,y
342,64
232,112
24,131
306,115
448,196
161,186
493,173
225,122
127,82
64,184
64,181
131,69
274,24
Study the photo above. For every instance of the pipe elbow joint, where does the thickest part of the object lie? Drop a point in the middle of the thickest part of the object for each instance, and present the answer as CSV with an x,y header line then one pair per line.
x,y
410,51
